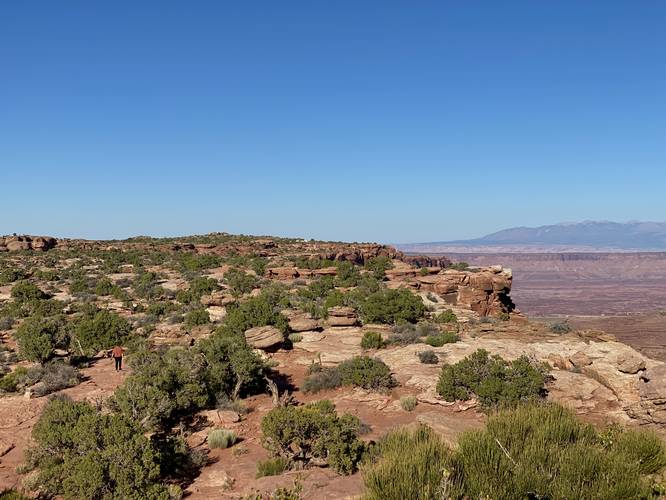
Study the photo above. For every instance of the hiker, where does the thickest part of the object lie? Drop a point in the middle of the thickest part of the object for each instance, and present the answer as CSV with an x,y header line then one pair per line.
x,y
117,354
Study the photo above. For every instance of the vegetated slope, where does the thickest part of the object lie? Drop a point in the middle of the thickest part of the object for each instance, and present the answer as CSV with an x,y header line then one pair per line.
x,y
355,340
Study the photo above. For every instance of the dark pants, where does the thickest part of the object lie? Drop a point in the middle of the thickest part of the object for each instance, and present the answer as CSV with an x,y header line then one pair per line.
x,y
119,363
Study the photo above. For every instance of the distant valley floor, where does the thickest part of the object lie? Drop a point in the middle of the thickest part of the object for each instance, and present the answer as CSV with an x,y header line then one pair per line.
x,y
621,293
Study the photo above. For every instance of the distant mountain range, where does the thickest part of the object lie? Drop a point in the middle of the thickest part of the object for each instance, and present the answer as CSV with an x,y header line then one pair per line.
x,y
588,236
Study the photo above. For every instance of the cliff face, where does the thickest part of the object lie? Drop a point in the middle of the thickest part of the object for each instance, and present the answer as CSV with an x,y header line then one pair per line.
x,y
483,290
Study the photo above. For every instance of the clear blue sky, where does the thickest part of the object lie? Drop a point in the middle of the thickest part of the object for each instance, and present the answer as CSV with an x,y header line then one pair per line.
x,y
392,121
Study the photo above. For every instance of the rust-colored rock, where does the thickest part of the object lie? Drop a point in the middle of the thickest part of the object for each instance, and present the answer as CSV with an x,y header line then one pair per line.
x,y
483,290
342,316
303,324
219,299
25,242
264,337
282,273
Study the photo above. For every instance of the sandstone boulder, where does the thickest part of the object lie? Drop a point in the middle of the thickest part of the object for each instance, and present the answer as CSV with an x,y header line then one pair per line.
x,y
24,242
342,316
283,273
630,364
483,290
264,337
580,359
303,324
652,389
219,299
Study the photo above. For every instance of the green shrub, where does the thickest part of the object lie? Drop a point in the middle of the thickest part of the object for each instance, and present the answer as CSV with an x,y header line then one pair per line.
x,y
255,311
366,372
100,330
9,382
560,327
391,306
51,377
492,380
424,272
6,323
404,334
197,317
163,387
317,297
80,453
407,465
438,340
221,438
12,495
378,266
159,309
240,282
231,367
459,266
198,262
543,451
47,275
314,431
642,447
105,287
347,274
408,403
447,316
201,286
272,466
428,357
11,275
24,291
145,285
372,340
80,285
38,337
321,380
295,337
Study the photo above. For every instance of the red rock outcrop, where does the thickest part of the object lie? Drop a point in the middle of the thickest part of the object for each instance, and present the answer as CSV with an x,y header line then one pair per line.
x,y
25,242
484,290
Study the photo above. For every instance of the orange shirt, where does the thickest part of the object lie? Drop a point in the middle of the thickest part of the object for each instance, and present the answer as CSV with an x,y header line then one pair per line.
x,y
117,352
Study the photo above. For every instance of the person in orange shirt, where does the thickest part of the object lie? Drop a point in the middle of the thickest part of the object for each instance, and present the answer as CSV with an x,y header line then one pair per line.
x,y
117,354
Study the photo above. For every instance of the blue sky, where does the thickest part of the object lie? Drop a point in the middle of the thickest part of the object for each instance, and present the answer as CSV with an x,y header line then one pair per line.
x,y
391,121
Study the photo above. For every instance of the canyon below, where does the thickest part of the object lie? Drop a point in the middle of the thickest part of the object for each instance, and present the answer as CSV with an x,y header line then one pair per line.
x,y
622,293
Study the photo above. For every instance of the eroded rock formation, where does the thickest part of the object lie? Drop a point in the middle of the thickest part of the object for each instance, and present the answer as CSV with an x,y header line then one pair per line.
x,y
25,242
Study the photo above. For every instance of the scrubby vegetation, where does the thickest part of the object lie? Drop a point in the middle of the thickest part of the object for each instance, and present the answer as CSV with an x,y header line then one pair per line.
x,y
439,339
532,451
272,466
560,327
359,371
392,306
181,314
557,456
428,357
165,387
491,379
407,465
221,438
408,403
81,453
314,433
372,340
